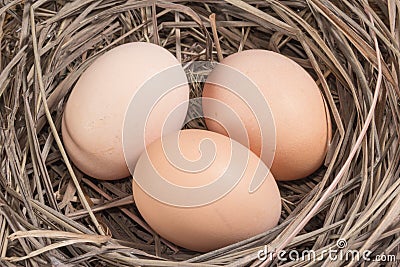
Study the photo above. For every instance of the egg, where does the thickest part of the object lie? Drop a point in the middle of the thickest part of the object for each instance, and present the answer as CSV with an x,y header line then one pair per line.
x,y
94,115
202,190
299,114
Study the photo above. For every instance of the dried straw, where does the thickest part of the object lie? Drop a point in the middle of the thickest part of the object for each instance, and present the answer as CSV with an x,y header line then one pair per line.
x,y
52,214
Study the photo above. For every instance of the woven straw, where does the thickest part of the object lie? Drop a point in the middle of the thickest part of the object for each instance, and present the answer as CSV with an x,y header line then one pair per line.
x,y
52,214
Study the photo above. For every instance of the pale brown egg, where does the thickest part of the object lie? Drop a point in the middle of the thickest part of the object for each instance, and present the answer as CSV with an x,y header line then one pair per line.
x,y
302,122
93,120
202,190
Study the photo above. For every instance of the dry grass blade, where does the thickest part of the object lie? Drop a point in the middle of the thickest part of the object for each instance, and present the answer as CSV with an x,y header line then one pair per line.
x,y
60,234
112,204
48,248
52,126
215,35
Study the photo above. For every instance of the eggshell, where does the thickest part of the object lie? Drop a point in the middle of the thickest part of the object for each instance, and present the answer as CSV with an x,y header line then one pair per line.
x,y
302,124
198,222
94,115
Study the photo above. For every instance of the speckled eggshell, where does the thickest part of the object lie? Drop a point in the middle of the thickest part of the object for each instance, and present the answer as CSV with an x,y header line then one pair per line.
x,y
93,118
236,216
303,126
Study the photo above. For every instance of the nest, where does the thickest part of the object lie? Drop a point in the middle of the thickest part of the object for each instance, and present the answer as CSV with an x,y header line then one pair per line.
x,y
52,214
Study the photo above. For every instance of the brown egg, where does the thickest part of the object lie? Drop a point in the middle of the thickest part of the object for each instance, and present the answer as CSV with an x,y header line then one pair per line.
x,y
94,115
202,190
302,123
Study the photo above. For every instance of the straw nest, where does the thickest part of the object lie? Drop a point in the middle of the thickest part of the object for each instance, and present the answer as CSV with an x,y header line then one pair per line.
x,y
52,214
